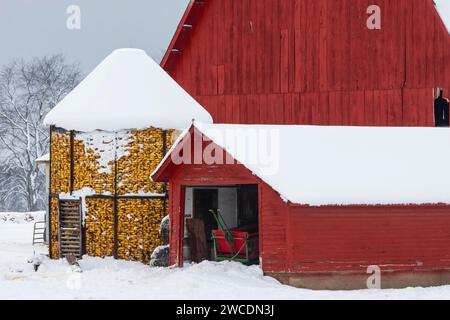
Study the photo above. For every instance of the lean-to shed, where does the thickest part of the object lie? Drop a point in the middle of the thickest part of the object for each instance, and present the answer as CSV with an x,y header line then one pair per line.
x,y
329,202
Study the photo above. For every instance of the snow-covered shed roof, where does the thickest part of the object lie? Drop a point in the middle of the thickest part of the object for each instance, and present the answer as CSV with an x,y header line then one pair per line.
x,y
128,90
340,165
443,7
43,159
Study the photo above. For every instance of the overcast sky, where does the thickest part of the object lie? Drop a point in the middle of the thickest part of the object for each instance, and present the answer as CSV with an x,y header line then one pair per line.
x,y
30,28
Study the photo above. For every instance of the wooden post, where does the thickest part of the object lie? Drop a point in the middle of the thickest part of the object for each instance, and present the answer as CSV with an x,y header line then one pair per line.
x,y
71,161
116,217
116,223
164,151
50,243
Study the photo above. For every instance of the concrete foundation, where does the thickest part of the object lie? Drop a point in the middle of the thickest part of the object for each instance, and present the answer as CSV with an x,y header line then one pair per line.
x,y
354,281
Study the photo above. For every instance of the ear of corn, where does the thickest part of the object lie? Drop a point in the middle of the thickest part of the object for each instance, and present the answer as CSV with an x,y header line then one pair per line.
x,y
128,174
60,181
88,172
54,228
60,162
143,153
138,228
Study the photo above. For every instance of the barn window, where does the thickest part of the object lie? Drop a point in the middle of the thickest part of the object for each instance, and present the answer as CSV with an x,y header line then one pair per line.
x,y
441,111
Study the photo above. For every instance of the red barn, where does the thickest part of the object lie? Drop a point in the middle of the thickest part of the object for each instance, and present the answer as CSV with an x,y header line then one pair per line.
x,y
312,61
341,199
328,204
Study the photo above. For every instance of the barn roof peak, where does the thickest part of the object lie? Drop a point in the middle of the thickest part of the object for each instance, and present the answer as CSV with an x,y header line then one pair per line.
x,y
127,90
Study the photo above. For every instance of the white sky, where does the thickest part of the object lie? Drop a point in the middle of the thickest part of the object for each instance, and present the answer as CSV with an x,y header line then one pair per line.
x,y
30,28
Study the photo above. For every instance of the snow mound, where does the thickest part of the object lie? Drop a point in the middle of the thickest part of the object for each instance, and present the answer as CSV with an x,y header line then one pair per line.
x,y
22,217
43,159
128,90
165,223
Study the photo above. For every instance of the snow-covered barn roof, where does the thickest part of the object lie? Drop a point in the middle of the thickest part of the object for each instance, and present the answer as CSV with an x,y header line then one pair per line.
x,y
340,165
443,7
128,90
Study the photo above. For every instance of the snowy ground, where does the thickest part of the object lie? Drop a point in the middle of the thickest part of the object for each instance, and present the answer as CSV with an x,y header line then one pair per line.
x,y
110,279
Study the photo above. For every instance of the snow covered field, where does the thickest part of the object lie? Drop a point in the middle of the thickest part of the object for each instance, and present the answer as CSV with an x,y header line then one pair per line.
x,y
110,279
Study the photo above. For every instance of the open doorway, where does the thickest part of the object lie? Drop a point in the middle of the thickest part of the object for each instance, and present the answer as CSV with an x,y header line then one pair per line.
x,y
221,223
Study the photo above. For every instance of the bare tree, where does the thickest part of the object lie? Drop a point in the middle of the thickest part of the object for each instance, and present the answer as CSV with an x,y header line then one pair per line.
x,y
28,90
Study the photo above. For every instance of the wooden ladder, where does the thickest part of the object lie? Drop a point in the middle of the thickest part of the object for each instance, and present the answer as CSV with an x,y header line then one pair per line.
x,y
70,228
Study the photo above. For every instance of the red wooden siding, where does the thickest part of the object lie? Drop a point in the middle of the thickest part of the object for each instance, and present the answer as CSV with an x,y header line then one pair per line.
x,y
175,223
329,239
314,61
274,232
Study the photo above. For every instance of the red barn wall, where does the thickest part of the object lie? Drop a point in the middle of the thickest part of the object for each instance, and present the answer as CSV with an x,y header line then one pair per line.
x,y
351,238
315,62
274,214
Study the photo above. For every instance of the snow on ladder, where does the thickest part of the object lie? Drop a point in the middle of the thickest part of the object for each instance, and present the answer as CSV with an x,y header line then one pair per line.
x,y
39,232
70,228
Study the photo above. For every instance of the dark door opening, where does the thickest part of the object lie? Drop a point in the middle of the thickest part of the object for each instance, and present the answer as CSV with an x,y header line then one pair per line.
x,y
222,223
248,205
203,223
441,111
